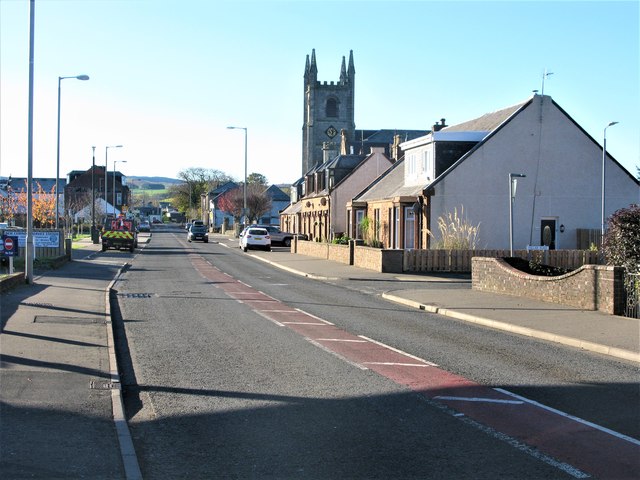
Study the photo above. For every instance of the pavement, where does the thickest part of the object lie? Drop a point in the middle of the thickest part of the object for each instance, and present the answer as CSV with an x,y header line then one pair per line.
x,y
61,411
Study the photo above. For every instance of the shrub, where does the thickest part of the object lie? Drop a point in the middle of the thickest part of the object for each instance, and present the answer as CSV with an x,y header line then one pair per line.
x,y
341,240
456,232
621,245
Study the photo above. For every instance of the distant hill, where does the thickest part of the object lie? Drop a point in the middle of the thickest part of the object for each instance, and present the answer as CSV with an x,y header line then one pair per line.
x,y
154,180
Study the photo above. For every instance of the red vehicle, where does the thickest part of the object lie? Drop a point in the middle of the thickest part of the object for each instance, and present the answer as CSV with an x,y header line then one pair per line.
x,y
119,233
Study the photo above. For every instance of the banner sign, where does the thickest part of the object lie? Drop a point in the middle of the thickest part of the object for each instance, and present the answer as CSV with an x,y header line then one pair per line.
x,y
40,239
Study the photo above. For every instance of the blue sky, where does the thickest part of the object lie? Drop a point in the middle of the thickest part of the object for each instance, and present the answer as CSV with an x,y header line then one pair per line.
x,y
168,76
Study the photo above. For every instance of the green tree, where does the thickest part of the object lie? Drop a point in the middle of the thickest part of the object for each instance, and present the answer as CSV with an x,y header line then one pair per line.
x,y
621,245
257,178
196,182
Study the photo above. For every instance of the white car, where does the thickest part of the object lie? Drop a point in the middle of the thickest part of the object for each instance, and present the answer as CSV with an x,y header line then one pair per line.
x,y
255,237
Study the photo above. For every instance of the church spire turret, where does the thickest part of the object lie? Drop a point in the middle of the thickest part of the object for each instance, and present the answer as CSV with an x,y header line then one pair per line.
x,y
352,69
313,68
343,72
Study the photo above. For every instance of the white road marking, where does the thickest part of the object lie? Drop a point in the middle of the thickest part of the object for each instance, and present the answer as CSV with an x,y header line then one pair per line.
x,y
397,364
571,417
305,323
477,399
340,340
399,351
337,355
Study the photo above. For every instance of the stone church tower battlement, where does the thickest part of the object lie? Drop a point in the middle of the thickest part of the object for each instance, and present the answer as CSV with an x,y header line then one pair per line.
x,y
328,110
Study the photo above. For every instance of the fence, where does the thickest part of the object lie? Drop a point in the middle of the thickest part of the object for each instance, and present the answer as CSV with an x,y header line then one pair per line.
x,y
632,291
460,260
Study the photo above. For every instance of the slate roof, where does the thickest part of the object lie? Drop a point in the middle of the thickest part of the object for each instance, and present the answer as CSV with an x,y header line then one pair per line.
x,y
47,184
276,194
487,122
390,184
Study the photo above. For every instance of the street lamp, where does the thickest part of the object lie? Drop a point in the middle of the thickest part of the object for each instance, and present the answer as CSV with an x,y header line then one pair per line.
x,y
114,185
244,206
94,237
106,169
77,77
604,157
513,184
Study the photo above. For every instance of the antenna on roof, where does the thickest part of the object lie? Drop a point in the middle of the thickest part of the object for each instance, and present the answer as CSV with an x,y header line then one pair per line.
x,y
544,76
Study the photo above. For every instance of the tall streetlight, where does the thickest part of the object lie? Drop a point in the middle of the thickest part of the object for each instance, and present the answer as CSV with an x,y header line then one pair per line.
x,y
106,170
94,236
244,206
77,77
604,157
513,184
114,185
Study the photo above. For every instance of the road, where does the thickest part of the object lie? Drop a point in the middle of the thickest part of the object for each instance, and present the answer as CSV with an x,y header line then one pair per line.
x,y
226,375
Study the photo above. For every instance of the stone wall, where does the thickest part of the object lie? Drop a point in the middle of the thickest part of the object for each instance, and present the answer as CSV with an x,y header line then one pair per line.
x,y
359,256
590,287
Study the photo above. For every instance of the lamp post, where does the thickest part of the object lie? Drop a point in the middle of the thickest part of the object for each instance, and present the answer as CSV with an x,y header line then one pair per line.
x,y
244,207
513,183
94,237
604,157
106,170
114,185
77,77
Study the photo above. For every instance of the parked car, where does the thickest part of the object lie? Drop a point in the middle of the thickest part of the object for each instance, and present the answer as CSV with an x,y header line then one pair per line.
x,y
255,237
278,237
198,232
144,227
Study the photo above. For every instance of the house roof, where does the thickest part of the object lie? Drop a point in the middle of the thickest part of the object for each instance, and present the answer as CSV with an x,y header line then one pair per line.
x,y
390,184
495,121
487,122
47,184
276,194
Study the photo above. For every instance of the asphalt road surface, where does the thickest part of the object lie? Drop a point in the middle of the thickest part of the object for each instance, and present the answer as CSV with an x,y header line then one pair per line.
x,y
235,369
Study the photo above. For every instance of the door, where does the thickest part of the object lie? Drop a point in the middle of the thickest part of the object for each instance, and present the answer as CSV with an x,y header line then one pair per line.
x,y
548,233
409,228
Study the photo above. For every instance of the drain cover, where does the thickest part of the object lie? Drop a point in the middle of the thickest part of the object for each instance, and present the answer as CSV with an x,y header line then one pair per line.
x,y
136,295
101,385
67,320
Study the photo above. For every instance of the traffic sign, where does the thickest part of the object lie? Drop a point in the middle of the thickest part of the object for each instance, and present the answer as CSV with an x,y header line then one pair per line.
x,y
10,244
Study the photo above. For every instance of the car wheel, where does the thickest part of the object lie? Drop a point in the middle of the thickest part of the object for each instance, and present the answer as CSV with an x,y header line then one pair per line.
x,y
287,242
206,241
104,248
244,249
268,249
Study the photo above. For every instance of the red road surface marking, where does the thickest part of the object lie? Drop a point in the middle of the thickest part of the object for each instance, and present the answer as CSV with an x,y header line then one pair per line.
x,y
584,446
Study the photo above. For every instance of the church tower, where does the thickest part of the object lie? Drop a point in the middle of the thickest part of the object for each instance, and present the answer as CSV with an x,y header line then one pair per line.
x,y
328,110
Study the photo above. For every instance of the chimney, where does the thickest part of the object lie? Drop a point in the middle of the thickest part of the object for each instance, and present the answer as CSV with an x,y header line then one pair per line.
x,y
439,126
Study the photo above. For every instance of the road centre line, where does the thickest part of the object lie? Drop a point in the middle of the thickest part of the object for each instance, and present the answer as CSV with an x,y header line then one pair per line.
x,y
399,351
340,340
264,315
314,316
476,399
335,354
396,364
305,323
570,417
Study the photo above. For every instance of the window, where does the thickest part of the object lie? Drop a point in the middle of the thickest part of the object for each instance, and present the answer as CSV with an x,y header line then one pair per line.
x,y
376,224
331,109
411,165
426,162
359,217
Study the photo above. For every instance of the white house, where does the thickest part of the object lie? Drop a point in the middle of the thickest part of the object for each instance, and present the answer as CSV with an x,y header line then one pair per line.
x,y
469,165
